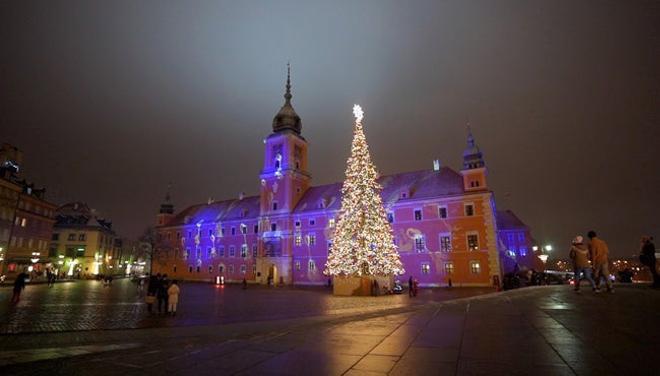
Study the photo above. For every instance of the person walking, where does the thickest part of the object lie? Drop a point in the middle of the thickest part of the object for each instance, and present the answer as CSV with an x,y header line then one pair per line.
x,y
19,286
173,297
579,254
152,290
600,258
647,257
415,287
410,286
161,294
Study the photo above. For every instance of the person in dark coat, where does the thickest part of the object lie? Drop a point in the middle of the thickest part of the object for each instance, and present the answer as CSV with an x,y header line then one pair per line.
x,y
161,294
648,259
152,290
410,286
19,286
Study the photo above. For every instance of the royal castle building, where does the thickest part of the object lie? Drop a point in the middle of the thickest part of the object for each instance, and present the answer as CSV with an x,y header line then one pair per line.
x,y
445,223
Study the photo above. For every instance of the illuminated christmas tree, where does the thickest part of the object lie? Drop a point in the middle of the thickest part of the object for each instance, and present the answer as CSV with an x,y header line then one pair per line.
x,y
362,243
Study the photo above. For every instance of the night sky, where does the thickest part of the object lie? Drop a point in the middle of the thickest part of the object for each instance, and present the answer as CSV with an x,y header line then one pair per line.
x,y
110,101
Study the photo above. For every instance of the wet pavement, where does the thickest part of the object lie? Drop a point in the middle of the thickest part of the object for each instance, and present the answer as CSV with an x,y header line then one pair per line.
x,y
539,331
88,305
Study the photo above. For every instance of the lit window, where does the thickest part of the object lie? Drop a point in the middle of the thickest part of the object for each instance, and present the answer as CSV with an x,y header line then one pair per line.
x,y
449,267
469,210
244,250
297,265
419,243
390,217
23,222
475,267
311,239
445,242
442,212
232,251
298,240
72,237
254,250
418,215
473,242
331,222
243,229
523,251
311,266
426,268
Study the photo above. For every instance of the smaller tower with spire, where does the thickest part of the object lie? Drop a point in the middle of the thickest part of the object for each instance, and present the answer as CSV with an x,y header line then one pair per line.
x,y
166,211
474,168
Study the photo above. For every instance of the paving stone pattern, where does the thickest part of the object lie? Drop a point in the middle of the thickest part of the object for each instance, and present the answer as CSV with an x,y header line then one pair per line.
x,y
534,331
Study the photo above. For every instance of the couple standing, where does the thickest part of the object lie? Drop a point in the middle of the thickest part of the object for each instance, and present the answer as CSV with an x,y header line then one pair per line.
x,y
596,252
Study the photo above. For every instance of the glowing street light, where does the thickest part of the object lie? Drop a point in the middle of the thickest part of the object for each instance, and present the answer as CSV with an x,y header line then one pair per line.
x,y
548,248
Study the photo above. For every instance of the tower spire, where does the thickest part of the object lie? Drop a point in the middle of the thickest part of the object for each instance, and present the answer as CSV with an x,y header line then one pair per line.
x,y
287,118
472,156
167,207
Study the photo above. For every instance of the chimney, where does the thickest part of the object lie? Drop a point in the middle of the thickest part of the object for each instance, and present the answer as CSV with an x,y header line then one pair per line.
x,y
241,196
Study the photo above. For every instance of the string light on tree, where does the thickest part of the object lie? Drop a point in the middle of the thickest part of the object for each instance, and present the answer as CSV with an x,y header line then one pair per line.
x,y
362,243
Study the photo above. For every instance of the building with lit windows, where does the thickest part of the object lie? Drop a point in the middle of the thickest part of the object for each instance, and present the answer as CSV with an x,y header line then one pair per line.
x,y
82,244
444,222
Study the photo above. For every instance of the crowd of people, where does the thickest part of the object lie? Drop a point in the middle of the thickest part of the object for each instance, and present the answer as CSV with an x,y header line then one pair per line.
x,y
162,292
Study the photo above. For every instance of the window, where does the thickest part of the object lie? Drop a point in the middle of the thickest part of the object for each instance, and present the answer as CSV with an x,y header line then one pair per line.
x,y
445,242
298,239
510,237
232,251
449,267
210,233
297,265
390,217
198,269
189,268
174,269
254,250
419,243
521,237
273,226
178,235
442,212
311,239
23,222
426,268
469,210
233,230
244,250
210,269
331,222
198,253
523,251
418,214
221,251
312,222
72,237
222,231
274,205
256,229
297,224
55,237
311,266
473,242
243,269
475,267
243,229
230,269
187,254
221,268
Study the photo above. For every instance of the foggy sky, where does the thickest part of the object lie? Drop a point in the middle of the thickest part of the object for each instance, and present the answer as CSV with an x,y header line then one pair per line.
x,y
110,101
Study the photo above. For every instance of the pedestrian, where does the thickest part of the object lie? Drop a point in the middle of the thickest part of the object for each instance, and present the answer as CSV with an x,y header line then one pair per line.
x,y
173,297
415,287
579,254
152,290
244,283
161,294
376,288
19,286
410,286
600,258
647,257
